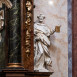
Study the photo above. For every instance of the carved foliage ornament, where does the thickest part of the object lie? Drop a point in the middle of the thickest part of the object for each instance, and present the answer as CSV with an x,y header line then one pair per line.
x,y
28,25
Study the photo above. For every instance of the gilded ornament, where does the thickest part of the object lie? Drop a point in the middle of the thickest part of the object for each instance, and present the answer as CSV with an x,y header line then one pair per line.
x,y
28,26
29,14
29,6
27,51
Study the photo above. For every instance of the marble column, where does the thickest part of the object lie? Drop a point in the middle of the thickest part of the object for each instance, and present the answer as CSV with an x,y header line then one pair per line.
x,y
14,33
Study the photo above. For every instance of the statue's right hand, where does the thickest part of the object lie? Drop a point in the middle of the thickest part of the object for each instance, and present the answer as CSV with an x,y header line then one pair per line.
x,y
37,38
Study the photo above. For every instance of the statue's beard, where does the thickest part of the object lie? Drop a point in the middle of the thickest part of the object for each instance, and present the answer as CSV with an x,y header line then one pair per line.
x,y
40,21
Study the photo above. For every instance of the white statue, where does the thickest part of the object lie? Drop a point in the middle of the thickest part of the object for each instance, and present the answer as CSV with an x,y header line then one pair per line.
x,y
42,34
6,2
9,5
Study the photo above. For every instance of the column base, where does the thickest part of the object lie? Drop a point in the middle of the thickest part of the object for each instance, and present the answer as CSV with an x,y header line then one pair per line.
x,y
15,65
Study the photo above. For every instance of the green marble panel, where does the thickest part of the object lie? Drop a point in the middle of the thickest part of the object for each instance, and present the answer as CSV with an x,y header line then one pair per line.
x,y
14,33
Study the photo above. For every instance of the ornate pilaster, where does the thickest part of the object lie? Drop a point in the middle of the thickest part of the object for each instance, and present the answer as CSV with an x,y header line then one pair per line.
x,y
28,26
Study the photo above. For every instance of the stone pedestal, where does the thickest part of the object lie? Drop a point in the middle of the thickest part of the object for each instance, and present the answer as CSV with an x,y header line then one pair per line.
x,y
24,73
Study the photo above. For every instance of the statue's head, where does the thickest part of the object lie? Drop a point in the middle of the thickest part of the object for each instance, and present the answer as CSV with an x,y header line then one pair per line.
x,y
41,17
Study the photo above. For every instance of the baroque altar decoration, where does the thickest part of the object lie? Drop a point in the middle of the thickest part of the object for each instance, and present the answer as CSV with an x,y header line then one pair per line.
x,y
26,42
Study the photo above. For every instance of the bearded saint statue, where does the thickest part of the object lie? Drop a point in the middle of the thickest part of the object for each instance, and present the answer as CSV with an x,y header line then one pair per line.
x,y
42,34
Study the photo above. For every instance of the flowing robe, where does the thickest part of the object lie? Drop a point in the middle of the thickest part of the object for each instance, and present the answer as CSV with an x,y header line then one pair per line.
x,y
41,43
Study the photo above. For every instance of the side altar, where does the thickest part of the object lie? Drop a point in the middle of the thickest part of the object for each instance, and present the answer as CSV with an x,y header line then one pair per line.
x,y
19,39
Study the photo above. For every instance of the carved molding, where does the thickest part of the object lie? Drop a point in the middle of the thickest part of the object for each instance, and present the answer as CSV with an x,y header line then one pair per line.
x,y
28,26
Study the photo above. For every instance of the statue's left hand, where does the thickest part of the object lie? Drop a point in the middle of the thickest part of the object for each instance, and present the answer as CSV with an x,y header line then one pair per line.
x,y
57,29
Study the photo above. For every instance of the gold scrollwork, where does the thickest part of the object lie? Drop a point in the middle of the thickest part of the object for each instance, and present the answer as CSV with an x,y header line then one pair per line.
x,y
28,26
28,5
28,21
29,14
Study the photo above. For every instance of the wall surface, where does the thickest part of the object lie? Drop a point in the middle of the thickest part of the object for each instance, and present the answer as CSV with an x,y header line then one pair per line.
x,y
56,13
